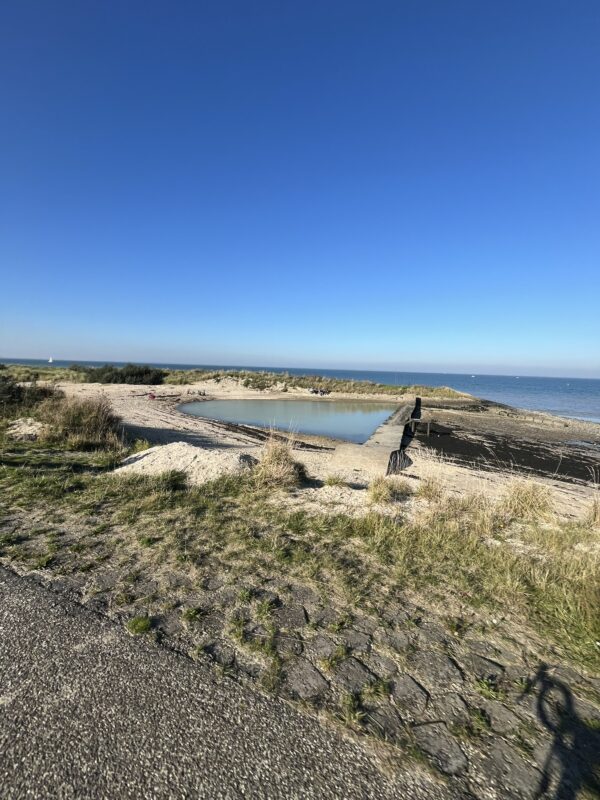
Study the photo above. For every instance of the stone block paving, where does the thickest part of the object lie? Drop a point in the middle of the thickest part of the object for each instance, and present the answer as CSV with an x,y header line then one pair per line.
x,y
483,711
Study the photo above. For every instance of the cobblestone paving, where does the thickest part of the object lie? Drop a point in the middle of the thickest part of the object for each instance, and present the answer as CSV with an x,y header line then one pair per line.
x,y
481,710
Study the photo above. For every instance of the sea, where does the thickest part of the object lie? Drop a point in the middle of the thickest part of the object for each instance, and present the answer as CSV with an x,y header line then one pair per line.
x,y
578,398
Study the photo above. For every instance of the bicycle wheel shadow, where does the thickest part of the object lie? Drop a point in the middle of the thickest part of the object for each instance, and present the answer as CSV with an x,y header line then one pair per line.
x,y
573,761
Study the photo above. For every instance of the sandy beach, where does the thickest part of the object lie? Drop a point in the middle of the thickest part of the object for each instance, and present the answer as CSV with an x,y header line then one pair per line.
x,y
489,444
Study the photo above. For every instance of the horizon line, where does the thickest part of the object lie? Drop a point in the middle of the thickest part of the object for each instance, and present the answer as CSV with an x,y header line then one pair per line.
x,y
266,368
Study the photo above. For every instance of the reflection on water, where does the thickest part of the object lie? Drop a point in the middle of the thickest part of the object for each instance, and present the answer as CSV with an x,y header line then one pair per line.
x,y
340,419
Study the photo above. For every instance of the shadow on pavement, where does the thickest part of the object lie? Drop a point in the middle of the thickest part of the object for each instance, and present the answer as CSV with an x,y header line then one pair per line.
x,y
573,760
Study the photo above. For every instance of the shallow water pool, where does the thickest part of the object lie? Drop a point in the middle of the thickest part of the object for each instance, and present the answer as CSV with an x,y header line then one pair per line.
x,y
339,419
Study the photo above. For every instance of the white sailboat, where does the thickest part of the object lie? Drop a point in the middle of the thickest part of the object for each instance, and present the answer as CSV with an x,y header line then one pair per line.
x,y
50,360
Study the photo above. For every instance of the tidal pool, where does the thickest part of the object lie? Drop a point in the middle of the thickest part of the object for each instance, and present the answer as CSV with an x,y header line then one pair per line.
x,y
340,419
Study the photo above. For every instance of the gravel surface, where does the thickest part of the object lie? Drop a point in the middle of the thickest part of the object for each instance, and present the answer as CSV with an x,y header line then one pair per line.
x,y
87,711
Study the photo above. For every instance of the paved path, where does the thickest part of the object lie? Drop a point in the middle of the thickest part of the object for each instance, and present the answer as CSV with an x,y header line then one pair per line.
x,y
88,712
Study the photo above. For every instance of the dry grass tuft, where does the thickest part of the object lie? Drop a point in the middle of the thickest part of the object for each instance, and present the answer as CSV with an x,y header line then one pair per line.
x,y
277,467
472,511
431,489
402,488
593,517
84,424
380,491
335,480
388,489
528,501
138,446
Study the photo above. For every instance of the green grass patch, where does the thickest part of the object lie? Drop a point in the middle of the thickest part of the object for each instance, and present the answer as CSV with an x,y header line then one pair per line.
x,y
232,522
335,480
490,689
389,489
139,625
339,654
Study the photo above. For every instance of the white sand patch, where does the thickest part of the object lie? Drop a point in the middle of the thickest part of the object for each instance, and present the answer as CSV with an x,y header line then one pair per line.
x,y
328,500
200,464
26,429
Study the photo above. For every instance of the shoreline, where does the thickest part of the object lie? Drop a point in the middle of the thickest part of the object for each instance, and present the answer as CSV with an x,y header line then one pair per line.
x,y
473,423
482,386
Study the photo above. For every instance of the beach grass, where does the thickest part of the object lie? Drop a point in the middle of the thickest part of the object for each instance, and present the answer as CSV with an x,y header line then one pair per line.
x,y
389,489
262,381
85,424
593,516
63,510
25,373
430,488
335,480
128,374
459,551
526,500
277,467
258,381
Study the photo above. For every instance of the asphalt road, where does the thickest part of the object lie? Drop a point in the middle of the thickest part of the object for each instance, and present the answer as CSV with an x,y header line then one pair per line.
x,y
86,711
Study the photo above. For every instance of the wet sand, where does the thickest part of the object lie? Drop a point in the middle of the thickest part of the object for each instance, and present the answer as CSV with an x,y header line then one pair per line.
x,y
491,436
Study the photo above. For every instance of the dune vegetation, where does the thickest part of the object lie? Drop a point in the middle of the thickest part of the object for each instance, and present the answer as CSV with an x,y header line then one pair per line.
x,y
344,613
257,381
513,554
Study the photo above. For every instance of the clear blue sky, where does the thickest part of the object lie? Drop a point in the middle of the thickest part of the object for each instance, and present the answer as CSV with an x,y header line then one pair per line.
x,y
347,184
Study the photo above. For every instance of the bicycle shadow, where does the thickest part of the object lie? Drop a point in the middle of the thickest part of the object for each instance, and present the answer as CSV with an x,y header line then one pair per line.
x,y
573,761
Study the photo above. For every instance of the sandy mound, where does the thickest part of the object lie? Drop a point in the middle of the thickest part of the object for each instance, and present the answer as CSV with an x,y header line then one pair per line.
x,y
200,464
26,429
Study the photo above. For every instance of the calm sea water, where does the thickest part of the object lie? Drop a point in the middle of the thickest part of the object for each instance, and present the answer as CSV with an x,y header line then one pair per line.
x,y
567,397
344,419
